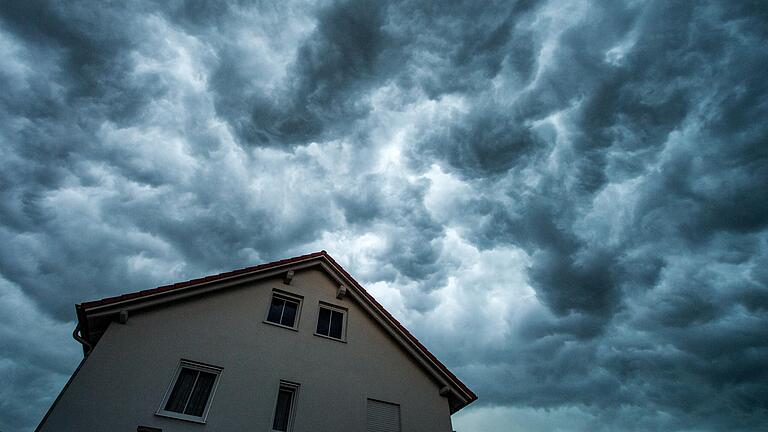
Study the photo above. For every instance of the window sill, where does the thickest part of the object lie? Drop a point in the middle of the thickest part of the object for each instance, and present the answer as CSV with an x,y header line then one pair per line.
x,y
330,338
280,325
177,416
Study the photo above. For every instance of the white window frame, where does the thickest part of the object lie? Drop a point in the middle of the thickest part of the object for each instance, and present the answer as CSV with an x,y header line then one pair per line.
x,y
285,296
344,320
202,367
293,387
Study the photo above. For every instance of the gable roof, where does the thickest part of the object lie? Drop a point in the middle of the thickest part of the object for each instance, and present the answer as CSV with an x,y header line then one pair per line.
x,y
95,316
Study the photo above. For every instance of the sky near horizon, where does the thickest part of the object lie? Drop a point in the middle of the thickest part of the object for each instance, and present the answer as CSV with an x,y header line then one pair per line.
x,y
567,202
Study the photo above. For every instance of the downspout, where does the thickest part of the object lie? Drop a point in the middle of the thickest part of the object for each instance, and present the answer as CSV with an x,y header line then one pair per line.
x,y
87,347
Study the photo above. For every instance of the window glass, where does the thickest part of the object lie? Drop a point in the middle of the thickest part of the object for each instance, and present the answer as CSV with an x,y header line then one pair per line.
x,y
275,310
283,410
323,321
200,394
289,313
337,319
330,323
283,310
181,391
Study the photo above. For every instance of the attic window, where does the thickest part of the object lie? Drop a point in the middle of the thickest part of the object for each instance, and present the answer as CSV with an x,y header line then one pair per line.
x,y
330,322
284,310
191,392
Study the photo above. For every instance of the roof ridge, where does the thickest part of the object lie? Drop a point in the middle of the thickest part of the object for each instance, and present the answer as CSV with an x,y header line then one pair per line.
x,y
208,278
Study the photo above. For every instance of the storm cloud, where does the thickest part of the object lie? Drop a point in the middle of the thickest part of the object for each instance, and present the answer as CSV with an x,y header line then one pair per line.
x,y
566,201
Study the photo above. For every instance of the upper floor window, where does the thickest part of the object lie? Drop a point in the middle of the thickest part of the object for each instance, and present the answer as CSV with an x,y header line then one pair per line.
x,y
330,322
191,391
284,310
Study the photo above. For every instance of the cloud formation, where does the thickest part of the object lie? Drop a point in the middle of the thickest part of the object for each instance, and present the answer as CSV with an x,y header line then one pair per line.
x,y
565,201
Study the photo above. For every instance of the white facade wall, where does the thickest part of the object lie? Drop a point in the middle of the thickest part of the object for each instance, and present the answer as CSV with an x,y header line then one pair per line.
x,y
122,382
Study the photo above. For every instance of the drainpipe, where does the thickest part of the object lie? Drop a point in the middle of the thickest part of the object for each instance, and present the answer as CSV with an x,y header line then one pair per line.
x,y
87,347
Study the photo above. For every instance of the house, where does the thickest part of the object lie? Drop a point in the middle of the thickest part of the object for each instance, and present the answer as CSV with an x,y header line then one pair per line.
x,y
292,345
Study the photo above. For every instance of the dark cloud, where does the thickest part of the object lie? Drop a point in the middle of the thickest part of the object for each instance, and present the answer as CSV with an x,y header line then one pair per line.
x,y
484,143
573,192
348,53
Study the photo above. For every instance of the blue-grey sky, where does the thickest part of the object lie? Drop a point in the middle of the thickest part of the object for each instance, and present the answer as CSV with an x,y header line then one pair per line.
x,y
566,201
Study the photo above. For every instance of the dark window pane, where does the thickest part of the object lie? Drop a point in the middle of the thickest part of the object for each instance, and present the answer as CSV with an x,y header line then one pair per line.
x,y
181,390
337,319
275,310
289,314
200,394
283,410
323,321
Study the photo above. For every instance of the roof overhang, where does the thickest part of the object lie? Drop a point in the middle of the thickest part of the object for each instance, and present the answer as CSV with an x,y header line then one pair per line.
x,y
95,316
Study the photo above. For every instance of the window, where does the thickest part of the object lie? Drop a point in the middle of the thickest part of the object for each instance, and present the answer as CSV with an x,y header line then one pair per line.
x,y
330,322
285,408
382,416
191,391
284,310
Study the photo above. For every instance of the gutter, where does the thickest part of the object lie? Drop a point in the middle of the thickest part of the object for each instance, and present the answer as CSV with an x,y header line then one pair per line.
x,y
87,347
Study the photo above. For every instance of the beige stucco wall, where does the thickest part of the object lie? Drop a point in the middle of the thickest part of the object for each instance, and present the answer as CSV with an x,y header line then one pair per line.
x,y
121,384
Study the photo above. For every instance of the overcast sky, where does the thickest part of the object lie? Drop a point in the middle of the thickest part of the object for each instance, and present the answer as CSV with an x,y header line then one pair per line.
x,y
566,201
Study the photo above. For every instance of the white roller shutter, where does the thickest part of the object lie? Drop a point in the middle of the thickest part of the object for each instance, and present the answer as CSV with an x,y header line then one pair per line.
x,y
383,416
